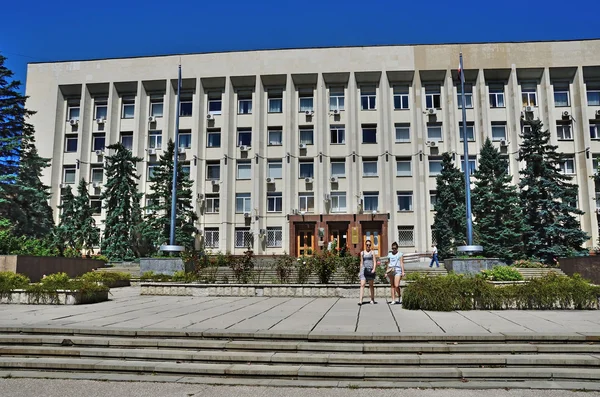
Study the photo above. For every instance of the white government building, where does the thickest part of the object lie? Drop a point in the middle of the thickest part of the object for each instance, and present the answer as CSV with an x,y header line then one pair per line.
x,y
292,148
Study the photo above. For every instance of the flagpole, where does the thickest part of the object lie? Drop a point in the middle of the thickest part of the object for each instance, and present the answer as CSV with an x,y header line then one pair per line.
x,y
466,155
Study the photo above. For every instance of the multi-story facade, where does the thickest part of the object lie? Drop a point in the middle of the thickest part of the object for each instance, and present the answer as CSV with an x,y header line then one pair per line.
x,y
290,149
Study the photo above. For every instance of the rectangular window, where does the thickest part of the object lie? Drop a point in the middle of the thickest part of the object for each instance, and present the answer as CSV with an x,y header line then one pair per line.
x,y
98,141
593,93
212,204
127,140
468,96
211,237
401,97
243,237
563,132
368,98
567,166
96,205
434,131
244,136
338,202
369,133
306,202
100,108
156,105
150,203
213,171
213,137
186,104
338,168
506,162
155,139
185,169
406,236
405,201
306,136
214,102
402,132
561,94
306,100
274,202
128,107
498,131
243,203
73,109
336,99
71,143
370,201
432,199
275,136
69,174
245,102
529,94
595,162
470,131
435,167
433,97
244,170
275,101
274,169
274,237
307,169
497,95
472,164
338,134
151,168
594,130
185,139
370,167
97,174
403,166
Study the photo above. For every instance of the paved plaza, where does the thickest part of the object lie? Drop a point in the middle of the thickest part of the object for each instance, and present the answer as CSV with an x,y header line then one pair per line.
x,y
128,309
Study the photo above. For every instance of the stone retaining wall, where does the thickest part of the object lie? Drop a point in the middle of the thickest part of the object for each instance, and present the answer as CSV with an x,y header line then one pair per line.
x,y
20,296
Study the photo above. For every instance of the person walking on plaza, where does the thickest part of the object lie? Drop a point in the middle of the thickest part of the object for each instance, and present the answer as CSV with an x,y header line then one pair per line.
x,y
395,274
368,266
434,256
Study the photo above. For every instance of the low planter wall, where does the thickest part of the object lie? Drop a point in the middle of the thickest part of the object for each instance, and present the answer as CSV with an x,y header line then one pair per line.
x,y
471,266
35,267
166,266
587,266
60,298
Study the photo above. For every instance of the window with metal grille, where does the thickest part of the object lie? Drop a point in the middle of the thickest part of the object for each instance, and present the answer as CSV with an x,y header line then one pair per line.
x,y
433,238
243,237
211,238
406,236
274,237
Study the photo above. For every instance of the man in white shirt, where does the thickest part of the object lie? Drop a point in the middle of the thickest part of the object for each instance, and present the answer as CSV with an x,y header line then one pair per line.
x,y
434,256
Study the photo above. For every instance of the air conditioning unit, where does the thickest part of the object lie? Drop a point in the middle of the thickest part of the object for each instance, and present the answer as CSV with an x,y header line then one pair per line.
x,y
152,119
335,111
270,180
181,150
431,111
73,121
529,108
101,121
309,113
302,146
246,215
152,152
96,185
432,143
597,113
503,143
210,117
327,196
262,232
244,148
99,152
333,179
215,182
565,114
308,180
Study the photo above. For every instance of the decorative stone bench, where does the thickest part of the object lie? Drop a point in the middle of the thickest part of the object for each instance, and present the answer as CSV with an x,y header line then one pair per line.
x,y
61,297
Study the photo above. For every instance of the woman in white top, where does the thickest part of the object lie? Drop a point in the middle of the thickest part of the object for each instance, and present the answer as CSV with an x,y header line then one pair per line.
x,y
396,264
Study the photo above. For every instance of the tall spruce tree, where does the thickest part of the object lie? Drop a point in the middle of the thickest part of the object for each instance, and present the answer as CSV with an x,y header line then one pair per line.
x,y
449,225
87,235
23,197
497,208
122,203
547,199
159,209
65,233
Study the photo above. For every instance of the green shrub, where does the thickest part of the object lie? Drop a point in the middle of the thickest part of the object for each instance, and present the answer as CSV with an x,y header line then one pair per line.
x,y
242,267
502,273
380,273
284,267
101,258
151,276
10,281
105,277
184,276
324,264
413,276
303,269
350,265
529,264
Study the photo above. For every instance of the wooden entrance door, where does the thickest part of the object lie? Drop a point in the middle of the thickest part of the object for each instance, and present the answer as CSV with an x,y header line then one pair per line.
x,y
373,235
305,242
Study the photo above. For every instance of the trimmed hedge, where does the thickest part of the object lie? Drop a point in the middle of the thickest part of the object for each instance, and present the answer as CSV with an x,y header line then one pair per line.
x,y
459,292
502,273
105,277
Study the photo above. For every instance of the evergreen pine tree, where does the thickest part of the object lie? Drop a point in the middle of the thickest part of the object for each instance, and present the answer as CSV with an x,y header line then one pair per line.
x,y
496,207
87,235
547,199
23,197
449,225
65,234
159,209
122,203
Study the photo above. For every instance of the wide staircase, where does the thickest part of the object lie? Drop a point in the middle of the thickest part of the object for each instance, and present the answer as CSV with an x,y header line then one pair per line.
x,y
527,360
538,272
126,267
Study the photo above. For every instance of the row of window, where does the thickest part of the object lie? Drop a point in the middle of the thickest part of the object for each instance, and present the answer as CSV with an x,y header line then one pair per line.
x,y
368,100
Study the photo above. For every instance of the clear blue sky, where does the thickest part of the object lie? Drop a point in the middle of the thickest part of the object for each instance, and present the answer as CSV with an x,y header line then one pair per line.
x,y
42,30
